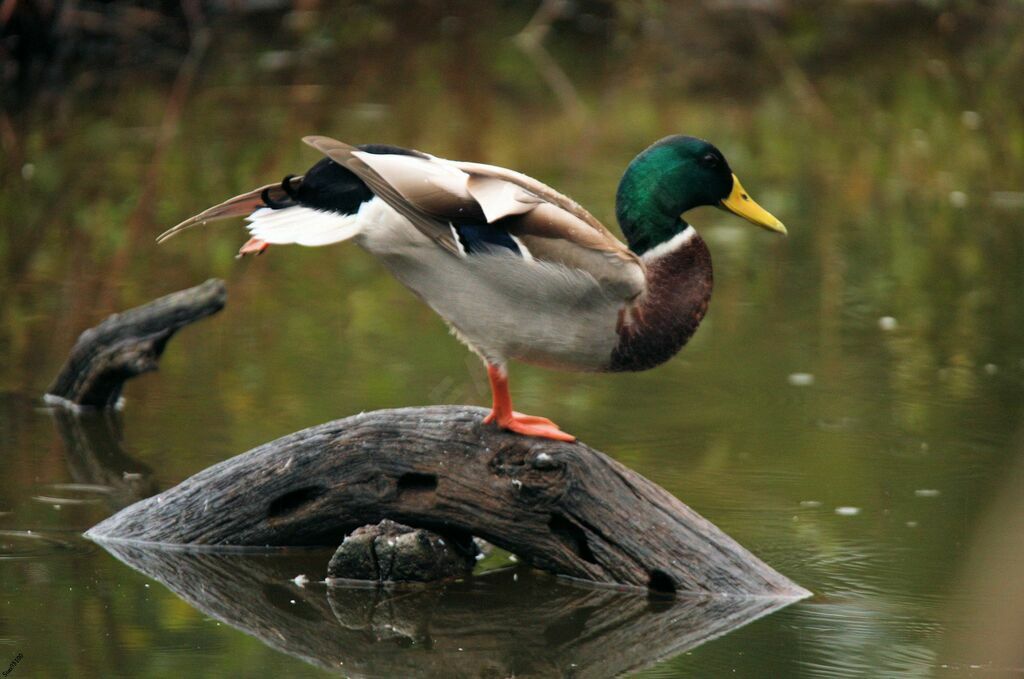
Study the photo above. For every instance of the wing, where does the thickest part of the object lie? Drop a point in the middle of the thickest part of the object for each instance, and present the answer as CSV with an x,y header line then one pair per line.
x,y
439,195
353,159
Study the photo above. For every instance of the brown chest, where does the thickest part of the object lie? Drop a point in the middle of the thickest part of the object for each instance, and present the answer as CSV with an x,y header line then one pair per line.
x,y
679,287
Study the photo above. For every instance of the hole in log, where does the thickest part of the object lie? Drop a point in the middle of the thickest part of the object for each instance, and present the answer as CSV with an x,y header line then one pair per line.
x,y
414,485
661,583
572,536
460,541
290,502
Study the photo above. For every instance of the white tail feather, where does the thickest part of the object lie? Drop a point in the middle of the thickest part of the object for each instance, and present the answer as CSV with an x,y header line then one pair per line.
x,y
302,225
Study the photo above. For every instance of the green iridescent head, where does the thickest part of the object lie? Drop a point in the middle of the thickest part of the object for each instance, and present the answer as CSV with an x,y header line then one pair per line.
x,y
671,176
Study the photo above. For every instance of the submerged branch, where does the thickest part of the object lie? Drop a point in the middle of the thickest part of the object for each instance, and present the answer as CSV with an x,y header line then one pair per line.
x,y
129,344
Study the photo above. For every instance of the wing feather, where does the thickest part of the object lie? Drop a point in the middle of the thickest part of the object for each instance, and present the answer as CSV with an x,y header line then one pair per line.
x,y
345,155
498,198
480,172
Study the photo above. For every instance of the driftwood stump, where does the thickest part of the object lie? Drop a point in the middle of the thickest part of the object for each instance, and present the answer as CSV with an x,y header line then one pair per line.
x,y
129,344
562,507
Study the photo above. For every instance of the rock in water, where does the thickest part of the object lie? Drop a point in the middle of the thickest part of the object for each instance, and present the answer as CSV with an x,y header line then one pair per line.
x,y
393,552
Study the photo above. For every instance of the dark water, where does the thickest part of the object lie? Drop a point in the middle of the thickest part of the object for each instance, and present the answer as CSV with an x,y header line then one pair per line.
x,y
850,410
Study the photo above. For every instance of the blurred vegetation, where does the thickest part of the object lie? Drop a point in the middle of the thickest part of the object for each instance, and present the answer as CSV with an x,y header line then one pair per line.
x,y
889,137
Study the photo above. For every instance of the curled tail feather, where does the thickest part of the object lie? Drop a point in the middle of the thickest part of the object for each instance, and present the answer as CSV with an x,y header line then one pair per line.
x,y
240,206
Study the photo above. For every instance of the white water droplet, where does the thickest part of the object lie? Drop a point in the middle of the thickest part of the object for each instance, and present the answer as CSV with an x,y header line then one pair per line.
x,y
801,379
847,511
887,323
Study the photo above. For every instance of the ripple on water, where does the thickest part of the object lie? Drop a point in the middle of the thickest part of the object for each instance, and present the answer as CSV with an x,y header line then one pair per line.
x,y
864,619
28,544
866,638
85,488
70,494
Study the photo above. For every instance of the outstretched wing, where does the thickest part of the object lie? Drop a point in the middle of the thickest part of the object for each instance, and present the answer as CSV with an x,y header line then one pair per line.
x,y
446,200
463,208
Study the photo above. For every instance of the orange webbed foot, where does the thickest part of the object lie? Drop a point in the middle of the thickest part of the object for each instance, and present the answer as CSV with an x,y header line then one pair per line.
x,y
532,419
531,425
511,420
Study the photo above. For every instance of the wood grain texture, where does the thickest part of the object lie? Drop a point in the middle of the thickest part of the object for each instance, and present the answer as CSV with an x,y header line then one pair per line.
x,y
562,507
128,344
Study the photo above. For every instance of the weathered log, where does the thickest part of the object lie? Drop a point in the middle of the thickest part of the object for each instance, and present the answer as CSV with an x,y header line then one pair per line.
x,y
128,344
392,552
565,508
514,622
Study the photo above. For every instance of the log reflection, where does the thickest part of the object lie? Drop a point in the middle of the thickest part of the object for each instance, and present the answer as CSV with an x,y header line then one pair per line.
x,y
96,456
510,623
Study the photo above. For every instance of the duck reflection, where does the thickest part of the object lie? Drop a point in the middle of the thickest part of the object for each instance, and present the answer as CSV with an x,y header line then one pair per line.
x,y
513,622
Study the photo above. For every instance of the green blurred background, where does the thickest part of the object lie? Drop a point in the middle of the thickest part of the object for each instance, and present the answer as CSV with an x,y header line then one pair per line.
x,y
873,362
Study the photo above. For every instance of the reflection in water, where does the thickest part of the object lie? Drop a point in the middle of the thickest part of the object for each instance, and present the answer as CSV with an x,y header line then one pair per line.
x,y
97,462
887,134
101,474
860,637
514,622
28,544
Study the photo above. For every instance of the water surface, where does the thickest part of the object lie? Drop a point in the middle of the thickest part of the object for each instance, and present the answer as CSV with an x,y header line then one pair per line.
x,y
850,410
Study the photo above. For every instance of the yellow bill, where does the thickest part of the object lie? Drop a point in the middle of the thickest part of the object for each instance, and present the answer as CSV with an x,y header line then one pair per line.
x,y
740,203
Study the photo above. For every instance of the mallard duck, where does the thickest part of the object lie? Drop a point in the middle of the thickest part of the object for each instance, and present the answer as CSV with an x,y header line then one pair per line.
x,y
516,269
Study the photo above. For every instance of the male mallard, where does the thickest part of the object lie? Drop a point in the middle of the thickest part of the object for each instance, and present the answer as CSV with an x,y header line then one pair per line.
x,y
515,268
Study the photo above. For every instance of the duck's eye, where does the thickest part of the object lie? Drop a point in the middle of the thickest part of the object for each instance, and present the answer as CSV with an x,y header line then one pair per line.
x,y
709,160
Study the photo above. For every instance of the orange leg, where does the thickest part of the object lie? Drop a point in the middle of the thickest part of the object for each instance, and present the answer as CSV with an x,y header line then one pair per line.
x,y
506,418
